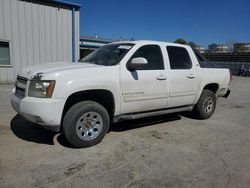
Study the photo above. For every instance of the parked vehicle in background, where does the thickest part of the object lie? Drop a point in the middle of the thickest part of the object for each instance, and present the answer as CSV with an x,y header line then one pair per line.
x,y
244,71
119,81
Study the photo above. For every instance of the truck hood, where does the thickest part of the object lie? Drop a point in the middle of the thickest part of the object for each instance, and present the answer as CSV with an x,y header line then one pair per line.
x,y
42,69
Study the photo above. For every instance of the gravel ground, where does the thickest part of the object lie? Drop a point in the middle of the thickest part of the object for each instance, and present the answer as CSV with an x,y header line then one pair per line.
x,y
165,151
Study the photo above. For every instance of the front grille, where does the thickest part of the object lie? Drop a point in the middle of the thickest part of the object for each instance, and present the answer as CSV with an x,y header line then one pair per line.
x,y
20,92
22,80
21,85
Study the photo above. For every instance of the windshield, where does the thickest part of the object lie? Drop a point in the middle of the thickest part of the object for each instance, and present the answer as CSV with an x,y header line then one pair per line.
x,y
108,55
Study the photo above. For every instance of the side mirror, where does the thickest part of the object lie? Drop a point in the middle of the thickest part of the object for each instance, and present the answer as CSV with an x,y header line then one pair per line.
x,y
137,63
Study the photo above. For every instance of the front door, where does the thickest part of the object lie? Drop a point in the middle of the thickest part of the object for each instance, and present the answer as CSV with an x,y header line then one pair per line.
x,y
144,89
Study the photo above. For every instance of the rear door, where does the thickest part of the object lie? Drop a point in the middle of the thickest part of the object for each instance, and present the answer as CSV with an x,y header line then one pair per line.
x,y
182,77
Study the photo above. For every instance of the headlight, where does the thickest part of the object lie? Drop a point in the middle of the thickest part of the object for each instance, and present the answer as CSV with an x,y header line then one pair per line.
x,y
41,89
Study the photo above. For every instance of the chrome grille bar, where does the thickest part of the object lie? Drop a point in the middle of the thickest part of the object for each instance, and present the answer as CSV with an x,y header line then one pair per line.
x,y
21,85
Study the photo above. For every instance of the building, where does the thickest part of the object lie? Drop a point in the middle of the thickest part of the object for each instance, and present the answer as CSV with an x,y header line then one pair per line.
x,y
36,31
201,49
89,44
218,48
242,47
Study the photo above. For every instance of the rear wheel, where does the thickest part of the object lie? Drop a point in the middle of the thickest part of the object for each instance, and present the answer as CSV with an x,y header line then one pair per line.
x,y
85,124
205,106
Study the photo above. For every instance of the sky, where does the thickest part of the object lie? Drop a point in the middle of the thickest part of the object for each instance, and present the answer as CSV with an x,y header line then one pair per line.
x,y
201,21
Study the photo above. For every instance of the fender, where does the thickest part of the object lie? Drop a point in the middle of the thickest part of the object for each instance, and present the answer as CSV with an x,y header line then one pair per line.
x,y
219,77
77,86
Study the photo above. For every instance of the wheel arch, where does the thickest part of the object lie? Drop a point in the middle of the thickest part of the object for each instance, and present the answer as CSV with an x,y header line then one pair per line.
x,y
101,96
214,87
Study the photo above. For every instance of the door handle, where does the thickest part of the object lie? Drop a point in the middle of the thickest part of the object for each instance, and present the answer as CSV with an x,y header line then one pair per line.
x,y
191,76
161,78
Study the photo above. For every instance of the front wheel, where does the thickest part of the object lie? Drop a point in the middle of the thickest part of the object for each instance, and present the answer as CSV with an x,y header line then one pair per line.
x,y
205,106
85,124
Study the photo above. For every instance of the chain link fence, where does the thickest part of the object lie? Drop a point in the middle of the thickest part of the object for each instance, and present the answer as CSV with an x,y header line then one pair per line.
x,y
233,66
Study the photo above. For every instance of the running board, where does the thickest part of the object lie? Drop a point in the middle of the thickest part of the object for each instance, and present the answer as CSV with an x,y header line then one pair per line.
x,y
152,113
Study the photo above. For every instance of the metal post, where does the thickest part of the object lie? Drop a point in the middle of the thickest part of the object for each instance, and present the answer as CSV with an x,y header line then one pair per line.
x,y
73,36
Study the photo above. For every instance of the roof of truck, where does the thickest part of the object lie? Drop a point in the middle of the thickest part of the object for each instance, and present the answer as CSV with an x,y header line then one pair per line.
x,y
153,42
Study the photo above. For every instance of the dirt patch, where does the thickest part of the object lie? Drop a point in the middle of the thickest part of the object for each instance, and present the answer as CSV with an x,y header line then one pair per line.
x,y
238,106
156,134
72,169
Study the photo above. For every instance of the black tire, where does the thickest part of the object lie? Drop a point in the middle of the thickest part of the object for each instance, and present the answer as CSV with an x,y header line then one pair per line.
x,y
79,121
205,106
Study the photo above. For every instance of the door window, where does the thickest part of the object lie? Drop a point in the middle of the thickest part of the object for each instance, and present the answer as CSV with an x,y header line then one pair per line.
x,y
152,53
179,58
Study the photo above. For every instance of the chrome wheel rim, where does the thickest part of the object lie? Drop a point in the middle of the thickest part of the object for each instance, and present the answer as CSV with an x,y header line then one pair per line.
x,y
89,126
208,105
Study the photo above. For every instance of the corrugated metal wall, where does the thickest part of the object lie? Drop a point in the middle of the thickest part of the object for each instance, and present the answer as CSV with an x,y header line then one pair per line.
x,y
37,34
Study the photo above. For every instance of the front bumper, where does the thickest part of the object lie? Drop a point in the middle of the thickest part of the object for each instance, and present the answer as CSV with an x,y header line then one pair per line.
x,y
47,112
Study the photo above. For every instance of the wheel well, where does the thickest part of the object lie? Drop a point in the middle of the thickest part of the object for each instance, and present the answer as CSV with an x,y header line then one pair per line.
x,y
103,97
212,87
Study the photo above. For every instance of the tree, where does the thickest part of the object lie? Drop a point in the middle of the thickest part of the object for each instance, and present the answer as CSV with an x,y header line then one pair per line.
x,y
192,44
180,41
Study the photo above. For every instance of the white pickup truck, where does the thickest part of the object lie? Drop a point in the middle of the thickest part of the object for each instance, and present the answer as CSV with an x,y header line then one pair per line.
x,y
119,81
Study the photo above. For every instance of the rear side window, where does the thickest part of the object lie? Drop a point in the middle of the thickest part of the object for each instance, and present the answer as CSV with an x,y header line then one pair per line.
x,y
179,58
152,53
204,63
